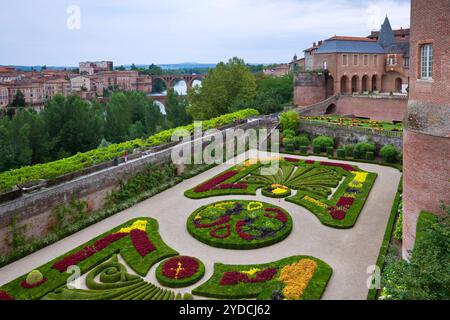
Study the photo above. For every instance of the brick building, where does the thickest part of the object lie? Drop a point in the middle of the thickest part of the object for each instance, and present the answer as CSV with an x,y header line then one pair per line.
x,y
91,68
427,127
377,63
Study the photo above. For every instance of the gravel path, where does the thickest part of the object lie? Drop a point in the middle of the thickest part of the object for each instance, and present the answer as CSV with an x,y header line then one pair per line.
x,y
348,252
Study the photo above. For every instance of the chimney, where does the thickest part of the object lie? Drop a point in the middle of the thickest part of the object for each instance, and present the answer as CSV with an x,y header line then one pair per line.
x,y
320,43
314,44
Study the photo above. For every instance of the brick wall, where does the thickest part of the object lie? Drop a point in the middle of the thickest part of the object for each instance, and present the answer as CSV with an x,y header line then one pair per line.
x,y
375,108
309,89
427,134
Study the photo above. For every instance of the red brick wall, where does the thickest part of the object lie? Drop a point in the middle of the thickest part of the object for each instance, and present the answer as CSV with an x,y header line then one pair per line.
x,y
305,96
427,134
426,168
386,109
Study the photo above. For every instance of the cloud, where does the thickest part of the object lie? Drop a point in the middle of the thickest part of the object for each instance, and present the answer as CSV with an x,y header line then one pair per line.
x,y
146,31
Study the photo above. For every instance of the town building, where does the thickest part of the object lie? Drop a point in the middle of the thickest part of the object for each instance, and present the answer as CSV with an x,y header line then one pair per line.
x,y
91,68
278,70
4,97
426,154
378,63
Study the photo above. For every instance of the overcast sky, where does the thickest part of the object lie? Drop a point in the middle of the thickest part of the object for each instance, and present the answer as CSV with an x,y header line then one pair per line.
x,y
64,32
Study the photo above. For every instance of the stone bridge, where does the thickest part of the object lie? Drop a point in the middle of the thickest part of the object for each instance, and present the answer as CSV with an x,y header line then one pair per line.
x,y
170,80
327,106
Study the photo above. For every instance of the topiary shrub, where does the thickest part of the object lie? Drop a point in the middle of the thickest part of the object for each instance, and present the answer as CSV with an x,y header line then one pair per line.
x,y
349,148
389,153
303,150
34,277
317,149
341,153
323,142
302,141
188,296
289,144
288,133
330,151
362,148
370,156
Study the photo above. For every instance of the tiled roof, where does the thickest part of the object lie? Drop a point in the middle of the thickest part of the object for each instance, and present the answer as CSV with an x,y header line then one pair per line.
x,y
350,46
345,38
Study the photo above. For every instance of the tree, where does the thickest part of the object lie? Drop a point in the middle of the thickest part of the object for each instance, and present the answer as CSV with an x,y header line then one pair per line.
x,y
228,87
176,109
19,100
289,120
118,118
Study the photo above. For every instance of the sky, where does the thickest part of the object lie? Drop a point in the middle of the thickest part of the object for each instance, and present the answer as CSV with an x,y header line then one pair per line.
x,y
64,32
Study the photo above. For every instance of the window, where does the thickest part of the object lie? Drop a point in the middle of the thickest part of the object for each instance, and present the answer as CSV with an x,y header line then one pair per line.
x,y
325,66
366,60
391,60
427,61
355,59
344,59
375,60
406,62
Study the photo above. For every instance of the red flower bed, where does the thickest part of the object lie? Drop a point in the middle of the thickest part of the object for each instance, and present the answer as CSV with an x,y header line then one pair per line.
x,y
344,166
6,296
106,241
141,242
180,268
24,284
337,213
293,160
215,232
232,186
215,181
345,202
281,216
218,222
239,226
86,252
309,161
235,277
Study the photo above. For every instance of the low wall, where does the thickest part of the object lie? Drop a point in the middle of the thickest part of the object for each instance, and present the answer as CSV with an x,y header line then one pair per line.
x,y
383,108
34,209
350,135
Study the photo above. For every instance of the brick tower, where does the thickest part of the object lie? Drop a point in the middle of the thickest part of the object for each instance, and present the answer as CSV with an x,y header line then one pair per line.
x,y
427,123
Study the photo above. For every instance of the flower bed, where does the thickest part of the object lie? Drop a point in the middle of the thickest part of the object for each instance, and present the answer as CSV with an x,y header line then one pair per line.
x,y
239,224
298,277
137,241
313,181
180,272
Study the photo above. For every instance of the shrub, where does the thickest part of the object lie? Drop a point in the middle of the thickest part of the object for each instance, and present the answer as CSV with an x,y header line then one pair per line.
x,y
370,156
301,141
341,153
330,151
289,144
188,296
289,121
34,277
303,149
389,153
362,148
317,149
349,148
323,142
288,133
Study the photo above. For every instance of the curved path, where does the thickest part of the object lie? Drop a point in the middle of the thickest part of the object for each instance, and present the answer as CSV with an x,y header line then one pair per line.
x,y
348,252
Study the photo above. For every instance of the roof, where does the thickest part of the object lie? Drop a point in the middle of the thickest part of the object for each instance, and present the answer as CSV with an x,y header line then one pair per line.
x,y
350,46
397,32
345,38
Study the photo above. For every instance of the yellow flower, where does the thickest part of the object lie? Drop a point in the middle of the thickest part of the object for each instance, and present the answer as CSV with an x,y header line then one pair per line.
x,y
137,225
251,272
316,202
296,278
254,205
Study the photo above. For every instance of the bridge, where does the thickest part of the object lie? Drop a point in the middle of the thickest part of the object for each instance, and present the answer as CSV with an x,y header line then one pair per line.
x,y
170,80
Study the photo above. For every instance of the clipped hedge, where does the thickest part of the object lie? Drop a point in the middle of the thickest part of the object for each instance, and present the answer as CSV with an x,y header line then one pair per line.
x,y
180,283
51,170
